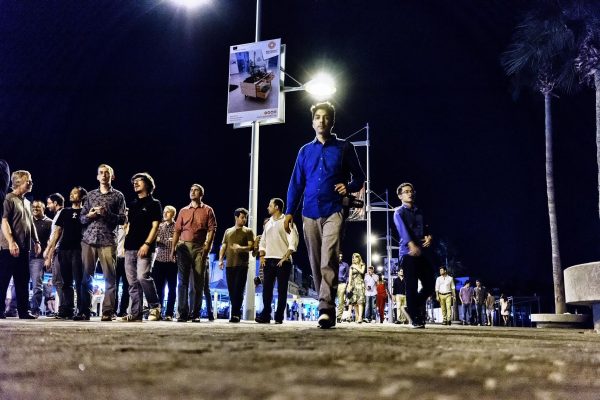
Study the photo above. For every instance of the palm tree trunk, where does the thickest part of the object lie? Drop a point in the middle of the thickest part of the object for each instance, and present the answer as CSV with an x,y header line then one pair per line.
x,y
597,84
557,273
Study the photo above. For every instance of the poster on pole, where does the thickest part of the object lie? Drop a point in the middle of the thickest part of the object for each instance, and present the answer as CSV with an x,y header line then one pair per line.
x,y
255,79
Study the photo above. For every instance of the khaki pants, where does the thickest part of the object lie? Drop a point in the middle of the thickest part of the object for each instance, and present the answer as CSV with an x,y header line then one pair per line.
x,y
400,300
341,296
446,305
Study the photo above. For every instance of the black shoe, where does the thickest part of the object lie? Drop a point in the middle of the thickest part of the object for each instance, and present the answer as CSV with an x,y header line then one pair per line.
x,y
27,316
278,322
106,318
234,319
180,319
2,316
196,319
81,317
261,320
326,322
211,317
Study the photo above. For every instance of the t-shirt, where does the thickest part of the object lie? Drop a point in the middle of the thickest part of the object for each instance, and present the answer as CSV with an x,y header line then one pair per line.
x,y
70,224
142,212
42,227
240,236
17,210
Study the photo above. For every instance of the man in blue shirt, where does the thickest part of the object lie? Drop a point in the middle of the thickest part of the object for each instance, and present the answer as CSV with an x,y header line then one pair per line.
x,y
341,290
326,170
413,242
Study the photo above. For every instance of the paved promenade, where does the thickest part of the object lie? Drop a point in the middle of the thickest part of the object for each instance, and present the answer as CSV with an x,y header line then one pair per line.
x,y
50,359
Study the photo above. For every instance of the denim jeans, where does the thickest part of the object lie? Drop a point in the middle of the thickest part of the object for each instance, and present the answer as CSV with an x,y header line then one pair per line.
x,y
18,268
121,279
271,273
370,312
140,282
236,284
36,272
466,313
480,310
71,268
166,273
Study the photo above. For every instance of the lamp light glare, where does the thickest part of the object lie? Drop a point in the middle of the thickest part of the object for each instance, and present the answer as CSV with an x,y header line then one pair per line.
x,y
190,4
321,87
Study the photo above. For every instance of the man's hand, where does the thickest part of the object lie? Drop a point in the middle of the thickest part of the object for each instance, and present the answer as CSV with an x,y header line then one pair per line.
x,y
288,222
48,264
222,264
143,251
413,249
262,261
236,247
427,241
37,248
14,249
341,188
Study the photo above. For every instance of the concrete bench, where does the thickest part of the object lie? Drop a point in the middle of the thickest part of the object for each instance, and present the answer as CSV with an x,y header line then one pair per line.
x,y
582,287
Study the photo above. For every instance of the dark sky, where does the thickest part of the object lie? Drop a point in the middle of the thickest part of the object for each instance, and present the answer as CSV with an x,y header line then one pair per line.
x,y
142,85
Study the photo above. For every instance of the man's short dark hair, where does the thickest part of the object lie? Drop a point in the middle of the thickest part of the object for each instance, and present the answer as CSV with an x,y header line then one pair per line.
x,y
278,202
57,198
403,185
443,267
327,106
239,211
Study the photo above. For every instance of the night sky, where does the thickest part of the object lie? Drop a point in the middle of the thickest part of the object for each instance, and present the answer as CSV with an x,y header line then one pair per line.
x,y
142,86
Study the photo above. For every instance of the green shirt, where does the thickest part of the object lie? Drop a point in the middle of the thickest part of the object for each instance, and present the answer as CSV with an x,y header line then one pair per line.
x,y
240,236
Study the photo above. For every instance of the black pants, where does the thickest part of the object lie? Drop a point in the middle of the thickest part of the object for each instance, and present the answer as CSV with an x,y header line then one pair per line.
x,y
121,277
166,273
18,268
71,268
236,283
417,269
271,273
209,309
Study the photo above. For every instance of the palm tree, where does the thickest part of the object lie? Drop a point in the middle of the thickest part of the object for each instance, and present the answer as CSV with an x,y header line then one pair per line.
x,y
587,64
541,55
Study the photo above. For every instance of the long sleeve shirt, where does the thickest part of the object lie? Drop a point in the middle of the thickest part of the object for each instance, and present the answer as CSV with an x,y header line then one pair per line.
x,y
163,242
101,231
444,285
343,272
319,167
410,226
275,241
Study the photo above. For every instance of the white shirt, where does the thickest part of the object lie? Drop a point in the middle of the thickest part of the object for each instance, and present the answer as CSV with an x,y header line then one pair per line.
x,y
53,228
370,285
444,284
275,241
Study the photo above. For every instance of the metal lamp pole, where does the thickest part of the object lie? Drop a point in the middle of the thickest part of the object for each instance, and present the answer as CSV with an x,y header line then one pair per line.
x,y
249,303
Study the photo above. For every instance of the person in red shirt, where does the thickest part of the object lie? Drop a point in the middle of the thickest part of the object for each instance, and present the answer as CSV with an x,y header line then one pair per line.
x,y
382,295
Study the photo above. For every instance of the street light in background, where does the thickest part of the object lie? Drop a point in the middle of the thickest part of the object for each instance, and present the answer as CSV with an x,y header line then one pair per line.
x,y
190,4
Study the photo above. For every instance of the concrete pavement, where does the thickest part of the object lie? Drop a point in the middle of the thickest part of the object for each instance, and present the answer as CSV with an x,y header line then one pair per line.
x,y
51,359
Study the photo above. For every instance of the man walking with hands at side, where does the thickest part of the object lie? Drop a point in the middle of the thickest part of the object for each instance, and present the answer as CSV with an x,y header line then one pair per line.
x,y
326,170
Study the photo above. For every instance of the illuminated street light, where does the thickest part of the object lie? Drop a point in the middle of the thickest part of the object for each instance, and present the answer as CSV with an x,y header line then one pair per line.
x,y
376,257
380,269
190,4
321,87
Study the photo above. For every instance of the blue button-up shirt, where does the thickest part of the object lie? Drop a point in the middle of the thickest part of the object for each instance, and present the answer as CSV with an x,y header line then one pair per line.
x,y
343,272
318,168
410,226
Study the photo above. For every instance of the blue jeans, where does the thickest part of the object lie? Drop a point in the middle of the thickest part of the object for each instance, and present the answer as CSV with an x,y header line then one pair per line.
x,y
36,272
140,281
466,313
480,310
370,312
282,275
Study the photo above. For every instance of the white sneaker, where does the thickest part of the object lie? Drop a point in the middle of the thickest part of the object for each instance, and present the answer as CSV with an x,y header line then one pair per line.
x,y
154,314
